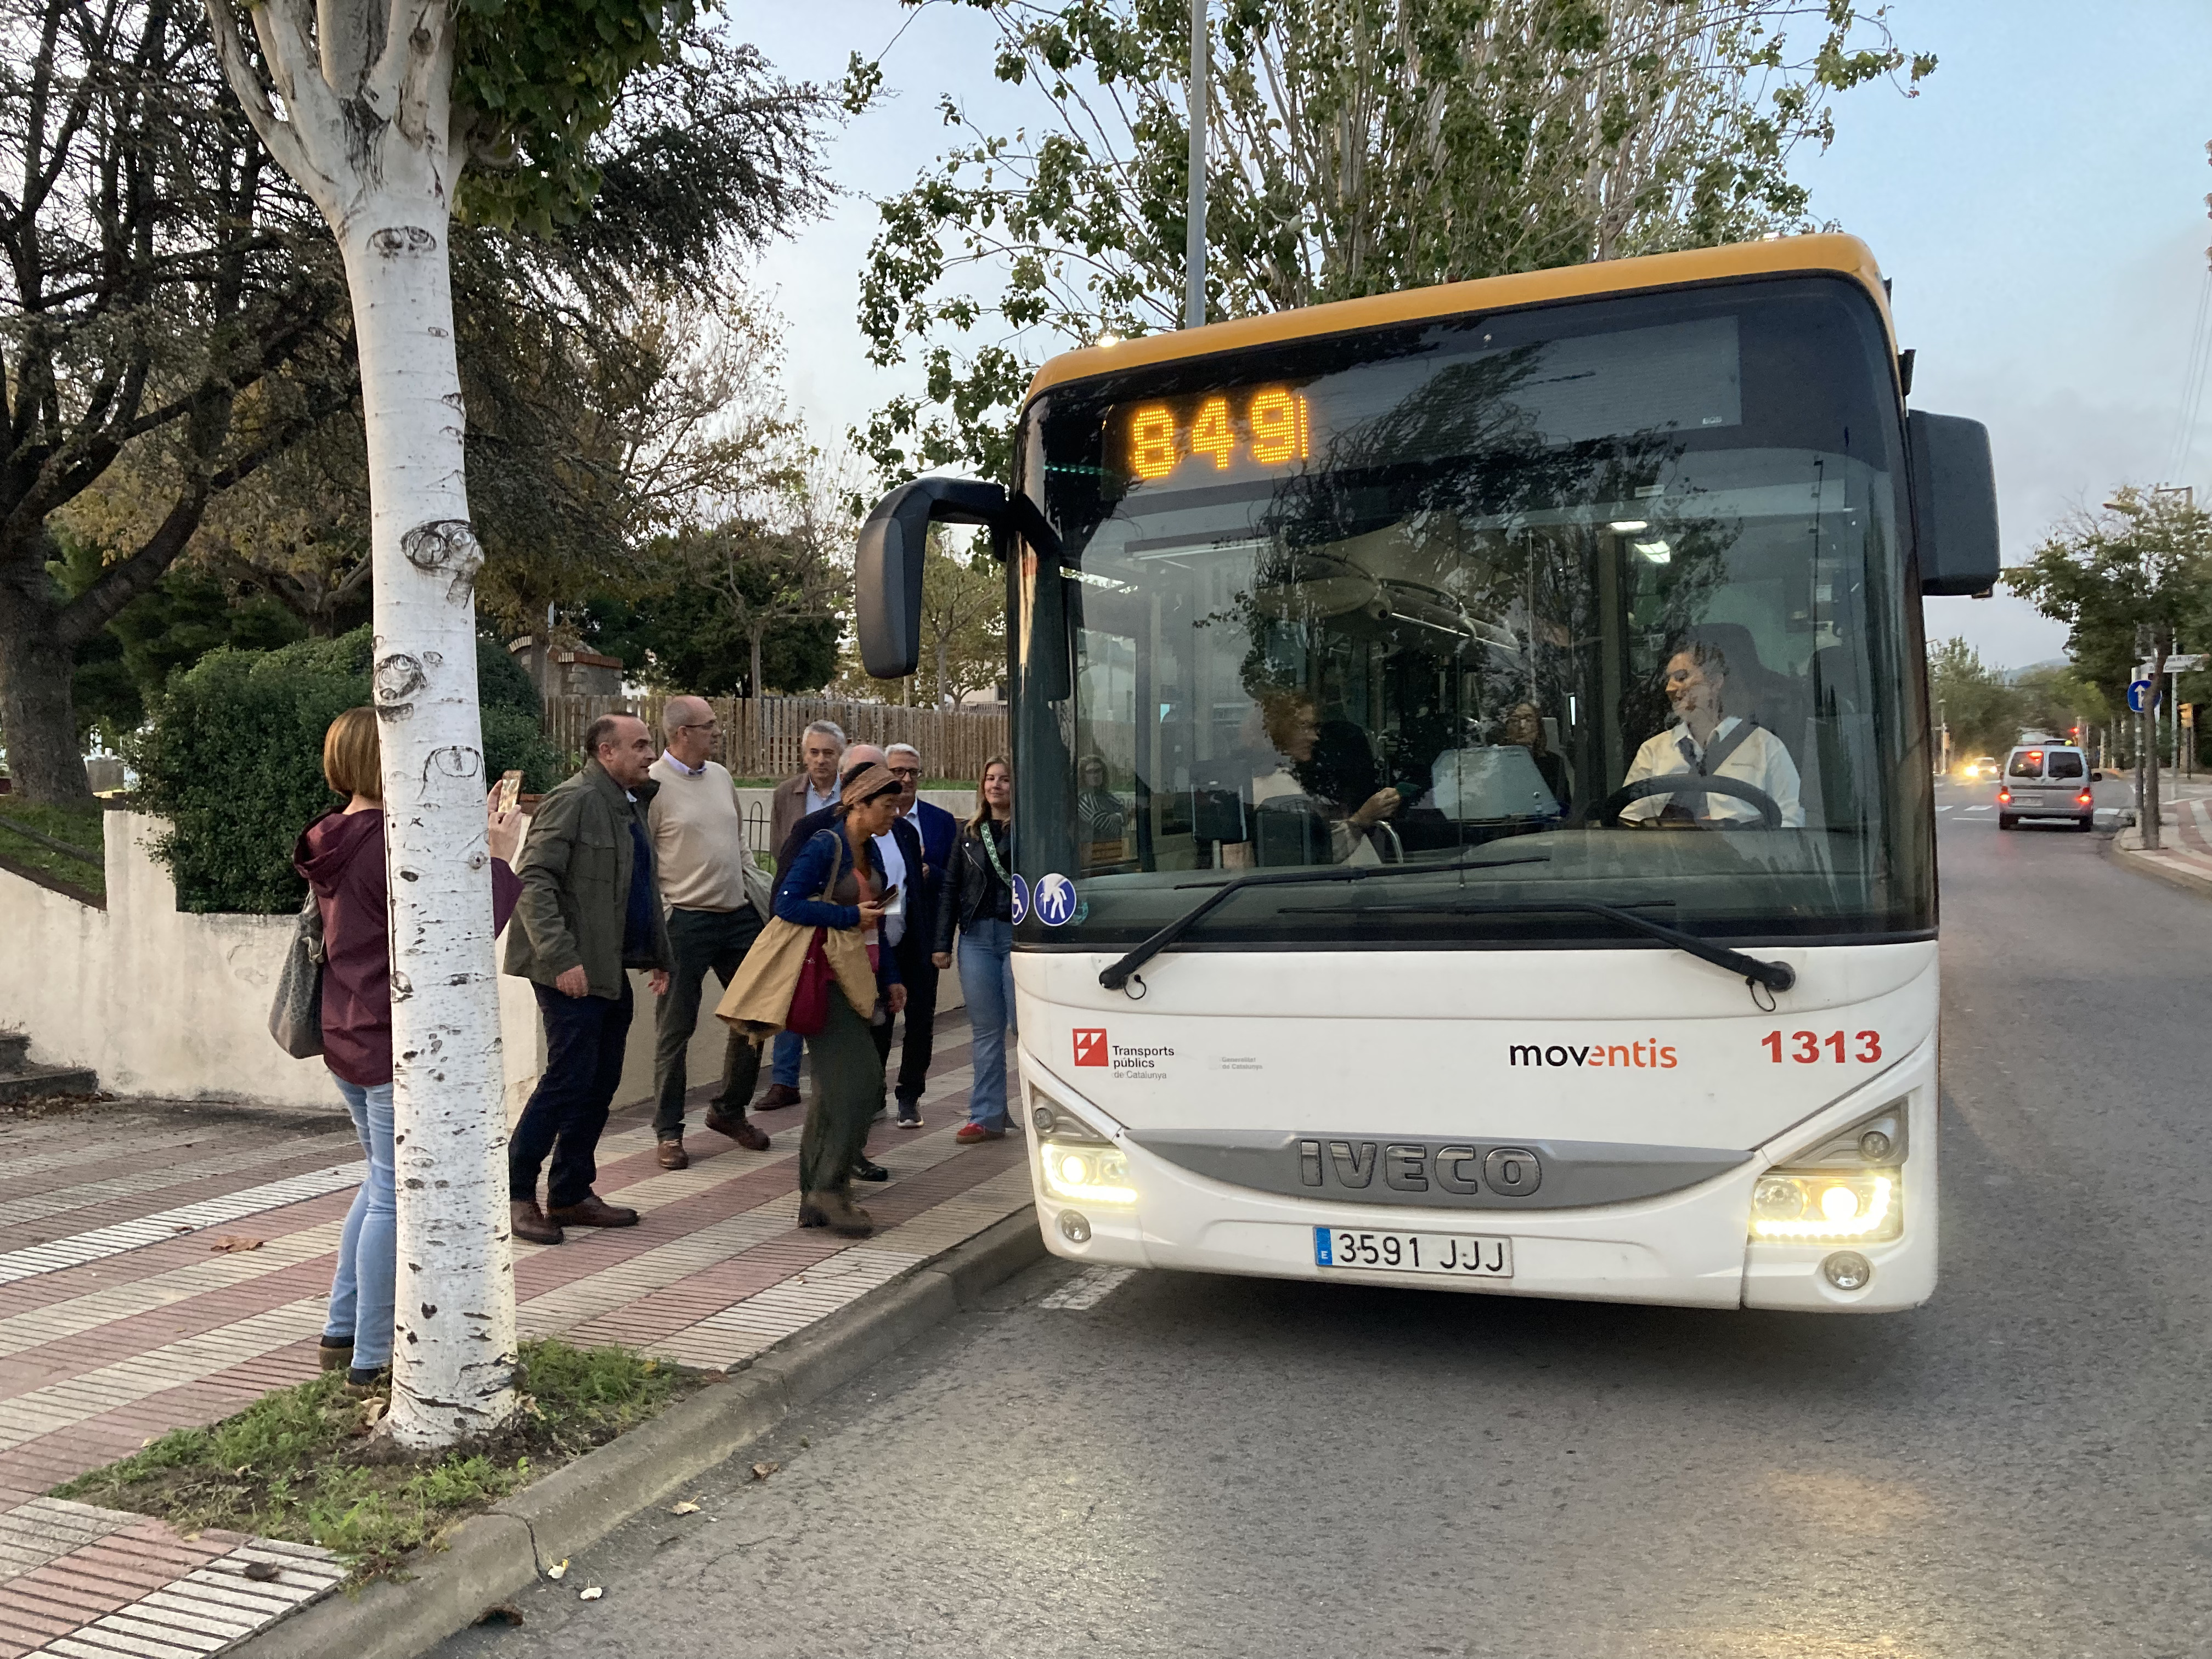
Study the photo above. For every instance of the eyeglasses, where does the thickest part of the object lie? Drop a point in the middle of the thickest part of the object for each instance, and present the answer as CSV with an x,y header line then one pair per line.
x,y
701,726
904,771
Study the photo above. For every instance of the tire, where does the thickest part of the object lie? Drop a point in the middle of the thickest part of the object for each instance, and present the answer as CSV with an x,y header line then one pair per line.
x,y
2006,821
2086,825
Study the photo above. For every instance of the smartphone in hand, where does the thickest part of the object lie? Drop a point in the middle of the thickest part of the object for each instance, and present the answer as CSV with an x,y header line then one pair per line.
x,y
510,791
893,900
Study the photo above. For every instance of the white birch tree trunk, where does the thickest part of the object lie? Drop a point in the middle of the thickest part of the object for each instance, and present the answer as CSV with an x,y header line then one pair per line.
x,y
365,130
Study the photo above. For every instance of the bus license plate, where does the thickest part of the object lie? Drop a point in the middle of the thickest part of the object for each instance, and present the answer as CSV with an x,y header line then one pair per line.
x,y
1458,1255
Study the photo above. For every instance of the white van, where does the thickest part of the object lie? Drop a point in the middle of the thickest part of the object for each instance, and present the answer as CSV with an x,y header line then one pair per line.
x,y
2046,781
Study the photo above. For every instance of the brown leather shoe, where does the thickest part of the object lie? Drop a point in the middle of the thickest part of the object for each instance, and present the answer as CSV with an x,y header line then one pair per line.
x,y
526,1220
672,1155
835,1212
741,1129
593,1212
779,1095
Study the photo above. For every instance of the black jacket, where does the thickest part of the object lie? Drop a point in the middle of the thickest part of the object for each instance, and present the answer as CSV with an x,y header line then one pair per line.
x,y
972,892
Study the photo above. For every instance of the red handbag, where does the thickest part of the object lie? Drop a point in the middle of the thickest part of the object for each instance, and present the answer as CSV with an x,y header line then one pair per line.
x,y
809,997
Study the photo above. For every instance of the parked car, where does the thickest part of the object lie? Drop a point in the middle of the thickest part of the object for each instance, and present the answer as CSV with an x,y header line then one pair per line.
x,y
2047,781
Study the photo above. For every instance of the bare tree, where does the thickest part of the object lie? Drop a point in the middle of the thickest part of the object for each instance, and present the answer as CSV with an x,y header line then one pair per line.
x,y
167,303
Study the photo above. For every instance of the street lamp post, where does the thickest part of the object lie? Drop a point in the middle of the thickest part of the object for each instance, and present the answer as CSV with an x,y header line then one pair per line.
x,y
1194,255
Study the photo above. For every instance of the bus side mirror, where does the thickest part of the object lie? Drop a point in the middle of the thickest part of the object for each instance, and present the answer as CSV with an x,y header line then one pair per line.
x,y
1954,504
887,564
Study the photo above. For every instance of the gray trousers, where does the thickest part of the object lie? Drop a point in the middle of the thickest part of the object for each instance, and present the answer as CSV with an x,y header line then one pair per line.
x,y
700,940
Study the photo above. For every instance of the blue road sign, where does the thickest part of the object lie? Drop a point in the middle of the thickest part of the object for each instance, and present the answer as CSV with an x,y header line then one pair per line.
x,y
2140,696
1021,895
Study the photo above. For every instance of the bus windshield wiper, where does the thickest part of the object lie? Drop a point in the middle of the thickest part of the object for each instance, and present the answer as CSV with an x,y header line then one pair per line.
x,y
1117,975
1774,975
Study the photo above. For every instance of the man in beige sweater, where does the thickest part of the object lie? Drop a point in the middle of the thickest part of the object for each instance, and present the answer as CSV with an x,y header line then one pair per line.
x,y
699,849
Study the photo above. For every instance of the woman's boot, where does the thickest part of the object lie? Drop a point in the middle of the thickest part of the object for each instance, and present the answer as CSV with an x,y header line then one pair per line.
x,y
834,1210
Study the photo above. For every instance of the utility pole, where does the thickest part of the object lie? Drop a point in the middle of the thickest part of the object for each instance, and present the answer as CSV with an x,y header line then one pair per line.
x,y
1194,256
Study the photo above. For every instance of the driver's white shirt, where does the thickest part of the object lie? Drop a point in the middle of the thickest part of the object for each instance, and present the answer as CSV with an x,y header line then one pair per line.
x,y
1759,761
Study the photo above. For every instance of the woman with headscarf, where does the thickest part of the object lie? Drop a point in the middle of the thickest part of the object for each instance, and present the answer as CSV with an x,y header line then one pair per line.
x,y
836,881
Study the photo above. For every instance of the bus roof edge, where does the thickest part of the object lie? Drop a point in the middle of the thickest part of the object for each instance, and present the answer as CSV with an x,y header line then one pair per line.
x,y
1830,252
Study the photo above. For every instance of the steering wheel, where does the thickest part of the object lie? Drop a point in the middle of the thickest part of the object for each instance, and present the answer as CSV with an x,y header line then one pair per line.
x,y
1606,813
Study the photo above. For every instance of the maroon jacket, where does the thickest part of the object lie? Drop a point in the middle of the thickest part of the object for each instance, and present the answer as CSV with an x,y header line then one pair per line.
x,y
341,855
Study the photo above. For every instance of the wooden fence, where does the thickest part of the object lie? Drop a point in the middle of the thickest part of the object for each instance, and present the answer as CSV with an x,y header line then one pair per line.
x,y
760,736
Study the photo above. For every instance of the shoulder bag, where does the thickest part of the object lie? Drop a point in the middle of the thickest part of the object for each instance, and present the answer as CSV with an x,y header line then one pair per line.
x,y
295,1019
809,997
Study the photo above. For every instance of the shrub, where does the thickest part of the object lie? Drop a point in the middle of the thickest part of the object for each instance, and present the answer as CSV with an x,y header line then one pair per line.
x,y
233,760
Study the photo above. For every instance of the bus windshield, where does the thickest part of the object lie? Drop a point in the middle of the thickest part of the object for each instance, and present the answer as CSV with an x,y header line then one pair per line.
x,y
1602,603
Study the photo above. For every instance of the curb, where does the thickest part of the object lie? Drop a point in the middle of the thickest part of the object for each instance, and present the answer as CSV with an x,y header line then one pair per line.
x,y
2146,863
492,1556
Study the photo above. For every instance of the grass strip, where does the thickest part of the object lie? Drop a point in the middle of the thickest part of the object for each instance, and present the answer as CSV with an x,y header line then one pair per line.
x,y
31,839
301,1464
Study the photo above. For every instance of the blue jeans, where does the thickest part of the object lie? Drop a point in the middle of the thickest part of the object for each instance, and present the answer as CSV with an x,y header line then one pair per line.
x,y
785,1051
360,1289
987,980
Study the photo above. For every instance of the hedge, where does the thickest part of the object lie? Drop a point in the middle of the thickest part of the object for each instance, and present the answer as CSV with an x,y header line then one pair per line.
x,y
232,758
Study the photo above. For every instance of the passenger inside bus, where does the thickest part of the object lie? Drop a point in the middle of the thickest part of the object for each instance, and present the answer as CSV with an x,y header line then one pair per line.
x,y
1321,796
1716,734
1524,728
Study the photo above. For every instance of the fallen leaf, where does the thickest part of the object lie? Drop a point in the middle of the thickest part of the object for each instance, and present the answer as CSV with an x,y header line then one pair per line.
x,y
372,1408
506,1612
559,1569
762,1471
235,1242
591,1594
689,1506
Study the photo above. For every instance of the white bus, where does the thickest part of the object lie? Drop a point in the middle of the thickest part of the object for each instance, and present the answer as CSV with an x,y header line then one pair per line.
x,y
1472,801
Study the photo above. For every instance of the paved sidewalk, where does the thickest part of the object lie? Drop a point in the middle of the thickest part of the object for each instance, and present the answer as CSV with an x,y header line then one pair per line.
x,y
2185,856
128,1308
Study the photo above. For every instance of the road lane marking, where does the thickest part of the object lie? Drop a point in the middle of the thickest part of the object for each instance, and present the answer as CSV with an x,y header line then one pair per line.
x,y
1088,1288
1981,809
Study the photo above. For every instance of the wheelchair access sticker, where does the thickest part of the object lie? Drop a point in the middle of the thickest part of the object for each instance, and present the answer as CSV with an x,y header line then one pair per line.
x,y
1021,892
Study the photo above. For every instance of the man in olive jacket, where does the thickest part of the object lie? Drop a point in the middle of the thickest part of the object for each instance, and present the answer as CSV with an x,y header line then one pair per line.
x,y
590,908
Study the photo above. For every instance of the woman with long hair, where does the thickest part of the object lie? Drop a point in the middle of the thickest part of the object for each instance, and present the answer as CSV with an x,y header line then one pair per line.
x,y
979,899
341,856
836,881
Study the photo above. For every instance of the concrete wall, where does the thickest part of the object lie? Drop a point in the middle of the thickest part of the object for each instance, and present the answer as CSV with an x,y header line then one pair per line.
x,y
162,1002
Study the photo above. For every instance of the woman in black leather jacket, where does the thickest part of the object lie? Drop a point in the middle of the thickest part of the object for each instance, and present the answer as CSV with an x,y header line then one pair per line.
x,y
978,897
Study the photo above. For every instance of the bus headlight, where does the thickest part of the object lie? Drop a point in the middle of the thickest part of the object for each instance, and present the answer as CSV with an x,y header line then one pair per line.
x,y
1083,1172
1823,1207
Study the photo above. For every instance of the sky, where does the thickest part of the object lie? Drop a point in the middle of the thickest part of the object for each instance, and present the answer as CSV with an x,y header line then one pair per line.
x,y
2040,208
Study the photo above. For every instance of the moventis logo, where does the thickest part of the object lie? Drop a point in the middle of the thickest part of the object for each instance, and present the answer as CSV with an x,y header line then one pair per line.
x,y
1091,1047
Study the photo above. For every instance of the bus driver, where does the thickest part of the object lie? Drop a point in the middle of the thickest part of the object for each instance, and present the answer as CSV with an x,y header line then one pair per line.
x,y
1708,741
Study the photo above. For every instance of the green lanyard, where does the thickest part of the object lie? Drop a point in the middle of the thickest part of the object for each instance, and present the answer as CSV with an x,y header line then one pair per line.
x,y
991,852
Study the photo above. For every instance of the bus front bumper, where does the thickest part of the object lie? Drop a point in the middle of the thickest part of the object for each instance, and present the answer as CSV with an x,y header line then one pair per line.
x,y
1687,1249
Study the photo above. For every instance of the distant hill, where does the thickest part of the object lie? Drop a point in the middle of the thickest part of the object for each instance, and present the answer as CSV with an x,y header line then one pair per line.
x,y
2015,676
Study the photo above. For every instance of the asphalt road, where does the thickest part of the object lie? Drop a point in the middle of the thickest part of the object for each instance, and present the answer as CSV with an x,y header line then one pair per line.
x,y
1211,1466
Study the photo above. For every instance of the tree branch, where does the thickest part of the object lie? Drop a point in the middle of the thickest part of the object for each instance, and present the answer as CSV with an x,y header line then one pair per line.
x,y
278,134
119,583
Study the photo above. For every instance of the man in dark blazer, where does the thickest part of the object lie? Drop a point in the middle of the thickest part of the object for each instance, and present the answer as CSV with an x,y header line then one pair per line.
x,y
938,832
